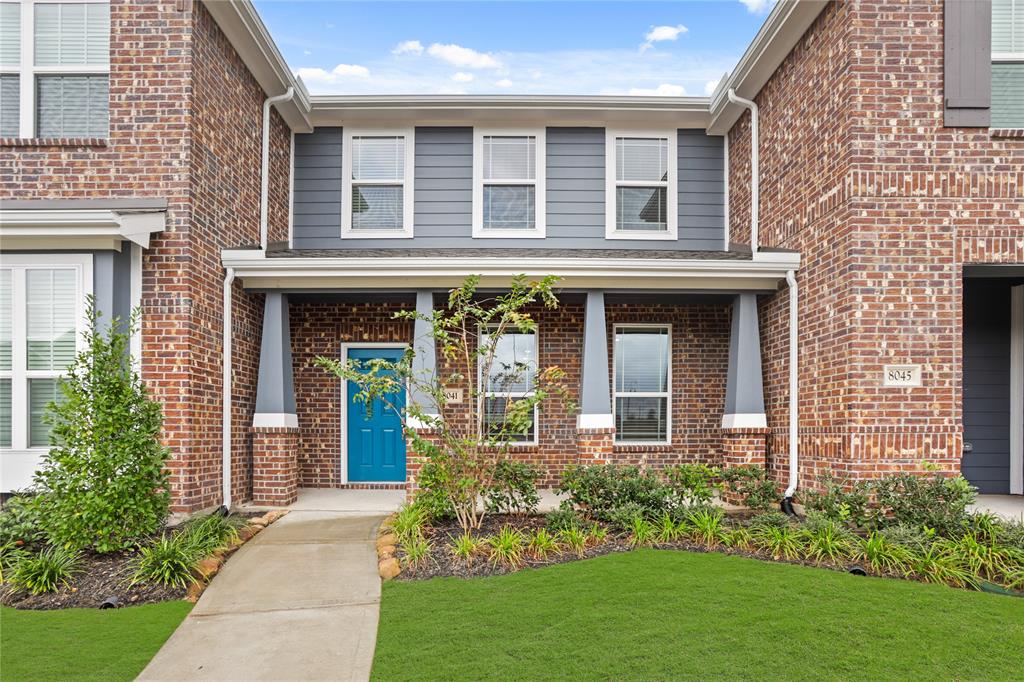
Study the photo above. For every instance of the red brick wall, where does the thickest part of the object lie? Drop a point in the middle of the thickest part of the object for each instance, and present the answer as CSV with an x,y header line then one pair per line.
x,y
185,119
886,207
700,358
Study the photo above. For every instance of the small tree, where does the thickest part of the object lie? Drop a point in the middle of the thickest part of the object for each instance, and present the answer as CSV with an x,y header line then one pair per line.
x,y
472,436
103,482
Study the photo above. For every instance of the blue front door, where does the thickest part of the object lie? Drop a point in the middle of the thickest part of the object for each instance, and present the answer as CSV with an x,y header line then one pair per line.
x,y
376,444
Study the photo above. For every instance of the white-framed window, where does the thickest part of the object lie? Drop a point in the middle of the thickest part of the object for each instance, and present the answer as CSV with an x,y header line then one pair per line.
x,y
54,68
640,185
42,315
1007,64
511,379
642,377
377,191
508,183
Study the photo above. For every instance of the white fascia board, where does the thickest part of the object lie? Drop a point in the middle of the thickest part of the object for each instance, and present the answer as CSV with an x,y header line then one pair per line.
x,y
68,227
784,27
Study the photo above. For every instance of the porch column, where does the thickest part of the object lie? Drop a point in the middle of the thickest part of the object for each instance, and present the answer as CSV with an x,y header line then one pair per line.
x,y
744,426
424,368
275,425
594,426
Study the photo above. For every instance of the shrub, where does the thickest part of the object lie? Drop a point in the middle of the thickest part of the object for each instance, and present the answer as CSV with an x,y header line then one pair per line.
x,y
1011,534
168,560
914,538
881,554
840,500
46,571
622,517
432,496
753,486
19,522
507,547
514,489
935,501
103,481
691,484
542,544
562,519
599,490
772,519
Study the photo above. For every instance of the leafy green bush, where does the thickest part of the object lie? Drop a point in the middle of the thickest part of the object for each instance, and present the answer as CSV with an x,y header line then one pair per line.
x,y
914,538
623,516
168,560
692,484
772,519
840,500
514,489
19,522
1011,534
432,495
751,483
599,490
103,481
562,519
934,501
46,571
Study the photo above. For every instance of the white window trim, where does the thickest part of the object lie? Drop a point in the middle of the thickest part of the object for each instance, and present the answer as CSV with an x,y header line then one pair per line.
x,y
19,374
408,196
539,183
616,394
27,70
672,206
483,393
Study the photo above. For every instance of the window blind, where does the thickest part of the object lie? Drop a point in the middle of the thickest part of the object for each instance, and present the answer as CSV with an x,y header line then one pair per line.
x,y
1007,26
510,158
41,392
10,33
5,413
10,100
641,360
6,319
72,106
72,33
50,312
641,159
1008,95
378,159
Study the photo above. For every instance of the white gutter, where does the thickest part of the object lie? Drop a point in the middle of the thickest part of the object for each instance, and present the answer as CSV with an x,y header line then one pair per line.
x,y
755,168
265,163
229,278
794,398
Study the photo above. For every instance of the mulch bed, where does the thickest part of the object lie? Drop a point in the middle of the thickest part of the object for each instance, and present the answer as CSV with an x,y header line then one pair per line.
x,y
102,576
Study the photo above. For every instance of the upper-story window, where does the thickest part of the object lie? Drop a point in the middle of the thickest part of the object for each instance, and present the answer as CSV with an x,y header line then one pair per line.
x,y
54,68
377,199
1008,63
508,183
640,194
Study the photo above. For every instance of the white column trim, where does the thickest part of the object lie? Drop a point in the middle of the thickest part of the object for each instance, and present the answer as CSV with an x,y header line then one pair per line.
x,y
744,421
275,420
1017,390
595,421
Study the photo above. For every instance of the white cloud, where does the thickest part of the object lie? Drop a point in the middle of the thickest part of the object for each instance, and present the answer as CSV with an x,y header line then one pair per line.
x,y
465,57
709,87
307,52
408,47
462,77
317,76
504,83
663,90
659,34
758,6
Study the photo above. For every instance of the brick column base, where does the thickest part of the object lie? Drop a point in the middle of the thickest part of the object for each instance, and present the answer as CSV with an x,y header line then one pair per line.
x,y
594,446
414,461
742,447
275,465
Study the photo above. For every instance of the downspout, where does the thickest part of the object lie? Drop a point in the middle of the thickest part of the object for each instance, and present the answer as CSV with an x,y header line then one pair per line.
x,y
755,171
794,398
265,164
229,278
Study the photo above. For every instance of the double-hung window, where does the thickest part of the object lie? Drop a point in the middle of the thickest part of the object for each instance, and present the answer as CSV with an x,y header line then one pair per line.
x,y
377,199
643,380
640,191
41,318
508,183
1007,64
54,68
511,378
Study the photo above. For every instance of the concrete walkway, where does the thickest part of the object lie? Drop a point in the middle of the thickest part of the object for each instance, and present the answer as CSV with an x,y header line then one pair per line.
x,y
300,601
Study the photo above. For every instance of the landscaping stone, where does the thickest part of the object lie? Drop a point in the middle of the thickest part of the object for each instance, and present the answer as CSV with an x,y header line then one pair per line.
x,y
208,567
389,568
195,590
258,521
386,552
245,533
385,540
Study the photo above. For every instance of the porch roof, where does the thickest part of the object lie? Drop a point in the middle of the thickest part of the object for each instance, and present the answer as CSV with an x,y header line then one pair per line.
x,y
405,269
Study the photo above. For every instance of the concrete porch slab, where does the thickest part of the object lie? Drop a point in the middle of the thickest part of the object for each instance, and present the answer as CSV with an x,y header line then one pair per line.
x,y
1009,507
351,501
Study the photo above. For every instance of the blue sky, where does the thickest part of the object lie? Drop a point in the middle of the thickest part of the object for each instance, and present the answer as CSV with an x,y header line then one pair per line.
x,y
586,48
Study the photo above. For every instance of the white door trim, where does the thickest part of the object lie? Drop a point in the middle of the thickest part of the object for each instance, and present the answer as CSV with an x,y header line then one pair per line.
x,y
1017,390
343,395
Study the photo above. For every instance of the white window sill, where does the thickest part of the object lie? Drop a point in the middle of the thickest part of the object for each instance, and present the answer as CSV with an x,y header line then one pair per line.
x,y
654,236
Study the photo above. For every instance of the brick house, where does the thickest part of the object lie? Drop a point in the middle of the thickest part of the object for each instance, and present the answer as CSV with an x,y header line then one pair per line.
x,y
844,294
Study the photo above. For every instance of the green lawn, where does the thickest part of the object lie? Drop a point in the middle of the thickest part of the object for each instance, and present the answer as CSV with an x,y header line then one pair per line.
x,y
669,615
84,644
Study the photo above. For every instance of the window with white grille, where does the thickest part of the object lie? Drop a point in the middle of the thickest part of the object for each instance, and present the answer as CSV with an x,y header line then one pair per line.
x,y
1007,64
641,185
378,197
508,183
